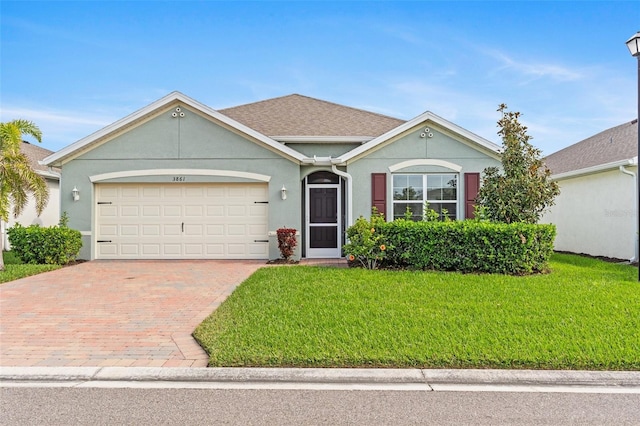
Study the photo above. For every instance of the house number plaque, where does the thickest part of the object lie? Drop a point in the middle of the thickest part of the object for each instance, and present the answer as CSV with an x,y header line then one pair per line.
x,y
179,179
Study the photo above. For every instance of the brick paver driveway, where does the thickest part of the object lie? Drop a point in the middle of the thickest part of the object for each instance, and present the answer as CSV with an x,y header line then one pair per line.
x,y
114,313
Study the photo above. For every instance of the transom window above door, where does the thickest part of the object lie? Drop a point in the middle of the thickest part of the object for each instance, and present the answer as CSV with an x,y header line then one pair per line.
x,y
323,177
413,190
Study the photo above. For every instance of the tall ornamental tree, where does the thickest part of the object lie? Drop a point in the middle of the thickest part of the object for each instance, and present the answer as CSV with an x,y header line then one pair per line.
x,y
523,190
17,179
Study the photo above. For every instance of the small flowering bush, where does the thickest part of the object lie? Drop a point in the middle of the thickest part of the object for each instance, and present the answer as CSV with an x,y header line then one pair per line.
x,y
286,242
367,245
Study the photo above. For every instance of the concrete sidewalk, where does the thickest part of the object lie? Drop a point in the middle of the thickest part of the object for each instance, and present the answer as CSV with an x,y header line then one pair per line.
x,y
629,380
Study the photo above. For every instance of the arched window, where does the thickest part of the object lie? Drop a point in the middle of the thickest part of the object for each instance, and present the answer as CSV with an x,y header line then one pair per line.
x,y
323,177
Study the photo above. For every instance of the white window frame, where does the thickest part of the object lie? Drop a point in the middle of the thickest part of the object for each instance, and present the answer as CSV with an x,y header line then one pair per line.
x,y
424,193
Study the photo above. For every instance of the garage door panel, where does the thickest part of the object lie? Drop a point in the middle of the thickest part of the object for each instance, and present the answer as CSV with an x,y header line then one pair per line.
x,y
258,210
129,230
194,192
236,249
129,249
193,230
193,249
150,231
175,221
237,211
172,191
133,211
151,191
151,249
215,192
215,211
172,249
130,192
150,211
257,230
215,230
215,250
108,230
172,230
172,211
194,211
104,210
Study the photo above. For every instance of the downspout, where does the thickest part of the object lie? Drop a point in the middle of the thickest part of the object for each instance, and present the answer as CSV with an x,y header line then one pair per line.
x,y
635,178
349,179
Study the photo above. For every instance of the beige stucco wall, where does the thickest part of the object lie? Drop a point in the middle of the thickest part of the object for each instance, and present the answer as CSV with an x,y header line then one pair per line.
x,y
49,217
596,214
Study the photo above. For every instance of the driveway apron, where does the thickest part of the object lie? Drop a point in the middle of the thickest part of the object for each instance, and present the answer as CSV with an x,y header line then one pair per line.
x,y
115,313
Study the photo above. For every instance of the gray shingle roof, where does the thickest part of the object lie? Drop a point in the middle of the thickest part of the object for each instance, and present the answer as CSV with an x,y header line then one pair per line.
x,y
297,115
614,144
36,153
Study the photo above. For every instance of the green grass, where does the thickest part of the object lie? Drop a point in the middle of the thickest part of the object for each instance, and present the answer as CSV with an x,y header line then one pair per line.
x,y
15,269
584,315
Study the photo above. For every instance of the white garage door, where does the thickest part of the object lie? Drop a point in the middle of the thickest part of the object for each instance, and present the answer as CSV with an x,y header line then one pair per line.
x,y
181,221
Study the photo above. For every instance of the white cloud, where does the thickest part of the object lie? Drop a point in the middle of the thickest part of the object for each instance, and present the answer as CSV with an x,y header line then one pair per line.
x,y
534,70
59,128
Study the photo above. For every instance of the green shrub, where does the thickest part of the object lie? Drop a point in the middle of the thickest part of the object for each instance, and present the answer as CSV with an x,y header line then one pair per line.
x,y
367,245
55,245
469,246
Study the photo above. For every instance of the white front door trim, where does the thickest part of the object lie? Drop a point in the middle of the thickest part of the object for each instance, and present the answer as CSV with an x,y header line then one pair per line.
x,y
323,252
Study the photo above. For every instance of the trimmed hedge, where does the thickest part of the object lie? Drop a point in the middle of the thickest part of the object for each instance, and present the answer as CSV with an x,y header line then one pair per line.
x,y
469,246
54,245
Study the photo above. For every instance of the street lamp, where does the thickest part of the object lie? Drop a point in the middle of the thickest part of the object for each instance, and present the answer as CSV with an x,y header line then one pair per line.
x,y
634,47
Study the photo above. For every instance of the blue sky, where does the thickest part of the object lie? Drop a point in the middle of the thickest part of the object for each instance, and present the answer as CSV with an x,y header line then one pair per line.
x,y
74,67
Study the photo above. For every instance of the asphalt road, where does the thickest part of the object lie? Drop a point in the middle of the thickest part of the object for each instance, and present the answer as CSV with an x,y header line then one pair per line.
x,y
122,406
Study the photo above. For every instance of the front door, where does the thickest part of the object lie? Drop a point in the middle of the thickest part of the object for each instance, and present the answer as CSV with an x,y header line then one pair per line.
x,y
323,220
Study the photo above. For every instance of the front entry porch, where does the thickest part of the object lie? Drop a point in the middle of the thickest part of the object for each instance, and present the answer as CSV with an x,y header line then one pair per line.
x,y
324,215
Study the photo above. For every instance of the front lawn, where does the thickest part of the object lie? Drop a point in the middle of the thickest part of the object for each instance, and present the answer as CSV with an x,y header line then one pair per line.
x,y
584,315
14,268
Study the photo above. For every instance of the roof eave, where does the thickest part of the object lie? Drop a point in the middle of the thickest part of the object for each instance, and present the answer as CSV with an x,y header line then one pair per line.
x,y
595,169
322,139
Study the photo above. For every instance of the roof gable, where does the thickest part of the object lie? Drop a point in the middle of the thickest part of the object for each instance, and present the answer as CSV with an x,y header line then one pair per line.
x,y
297,115
422,119
87,143
300,116
615,144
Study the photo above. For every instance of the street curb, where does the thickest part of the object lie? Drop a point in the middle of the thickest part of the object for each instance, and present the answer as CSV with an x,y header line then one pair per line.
x,y
325,375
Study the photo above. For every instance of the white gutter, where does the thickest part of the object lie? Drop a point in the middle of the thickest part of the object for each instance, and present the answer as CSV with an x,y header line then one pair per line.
x,y
322,139
595,169
319,161
635,178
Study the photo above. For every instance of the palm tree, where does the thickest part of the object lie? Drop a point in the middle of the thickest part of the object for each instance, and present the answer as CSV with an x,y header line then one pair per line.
x,y
17,178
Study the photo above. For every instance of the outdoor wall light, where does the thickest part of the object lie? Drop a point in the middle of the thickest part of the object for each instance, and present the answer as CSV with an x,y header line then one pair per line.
x,y
75,193
283,193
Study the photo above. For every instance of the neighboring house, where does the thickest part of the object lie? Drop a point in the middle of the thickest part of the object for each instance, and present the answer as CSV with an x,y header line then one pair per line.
x,y
179,180
51,214
595,212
